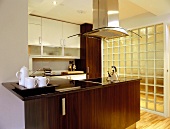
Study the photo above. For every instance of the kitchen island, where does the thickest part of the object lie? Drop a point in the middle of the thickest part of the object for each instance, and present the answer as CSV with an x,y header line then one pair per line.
x,y
86,104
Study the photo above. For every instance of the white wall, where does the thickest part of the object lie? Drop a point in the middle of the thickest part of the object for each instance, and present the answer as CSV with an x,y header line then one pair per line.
x,y
13,55
144,20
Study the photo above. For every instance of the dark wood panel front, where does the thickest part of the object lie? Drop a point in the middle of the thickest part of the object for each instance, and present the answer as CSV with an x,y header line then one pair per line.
x,y
92,115
121,105
36,113
113,106
93,57
42,113
54,112
110,107
72,119
90,53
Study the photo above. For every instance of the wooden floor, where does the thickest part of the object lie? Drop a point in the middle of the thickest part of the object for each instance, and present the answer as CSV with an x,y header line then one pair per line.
x,y
152,121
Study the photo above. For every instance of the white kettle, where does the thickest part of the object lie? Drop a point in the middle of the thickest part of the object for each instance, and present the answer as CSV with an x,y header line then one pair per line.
x,y
21,75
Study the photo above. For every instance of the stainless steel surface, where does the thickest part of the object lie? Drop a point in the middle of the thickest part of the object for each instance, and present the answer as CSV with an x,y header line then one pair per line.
x,y
107,32
101,18
106,20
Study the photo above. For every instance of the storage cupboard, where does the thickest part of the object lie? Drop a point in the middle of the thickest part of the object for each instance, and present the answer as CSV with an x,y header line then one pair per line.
x,y
34,31
49,37
90,108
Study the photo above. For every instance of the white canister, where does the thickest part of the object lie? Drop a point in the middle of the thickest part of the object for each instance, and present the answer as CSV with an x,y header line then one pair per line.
x,y
21,75
42,81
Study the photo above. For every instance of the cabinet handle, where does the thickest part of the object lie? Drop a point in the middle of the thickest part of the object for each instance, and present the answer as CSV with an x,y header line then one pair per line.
x,y
39,40
61,42
63,106
64,42
88,70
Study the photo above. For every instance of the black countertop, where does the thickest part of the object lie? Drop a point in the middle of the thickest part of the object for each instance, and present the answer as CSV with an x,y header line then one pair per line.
x,y
61,86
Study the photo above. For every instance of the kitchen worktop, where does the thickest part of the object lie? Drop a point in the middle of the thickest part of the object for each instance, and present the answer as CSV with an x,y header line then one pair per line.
x,y
55,73
59,86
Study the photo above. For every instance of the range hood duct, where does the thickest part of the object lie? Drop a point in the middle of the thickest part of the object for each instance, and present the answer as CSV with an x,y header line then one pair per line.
x,y
106,20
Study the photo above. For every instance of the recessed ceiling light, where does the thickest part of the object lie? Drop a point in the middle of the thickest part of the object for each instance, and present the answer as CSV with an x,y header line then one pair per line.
x,y
54,2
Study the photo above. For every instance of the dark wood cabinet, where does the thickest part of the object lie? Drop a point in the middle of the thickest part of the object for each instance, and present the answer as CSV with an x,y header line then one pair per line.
x,y
112,106
43,113
121,105
90,53
92,112
72,117
83,110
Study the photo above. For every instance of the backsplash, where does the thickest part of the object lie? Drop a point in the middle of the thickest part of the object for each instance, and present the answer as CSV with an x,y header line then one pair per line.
x,y
54,64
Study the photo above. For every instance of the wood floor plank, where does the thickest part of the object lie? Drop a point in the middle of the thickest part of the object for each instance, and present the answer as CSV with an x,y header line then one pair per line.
x,y
152,121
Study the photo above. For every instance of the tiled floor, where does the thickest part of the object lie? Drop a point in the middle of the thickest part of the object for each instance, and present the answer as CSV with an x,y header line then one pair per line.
x,y
152,121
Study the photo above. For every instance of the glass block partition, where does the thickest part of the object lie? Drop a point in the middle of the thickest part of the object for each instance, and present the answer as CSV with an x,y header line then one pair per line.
x,y
140,57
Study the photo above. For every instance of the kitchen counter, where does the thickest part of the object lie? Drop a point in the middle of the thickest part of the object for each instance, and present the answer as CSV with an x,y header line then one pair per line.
x,y
81,104
61,84
54,73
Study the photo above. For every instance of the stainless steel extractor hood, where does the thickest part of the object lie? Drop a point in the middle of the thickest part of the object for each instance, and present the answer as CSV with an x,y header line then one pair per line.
x,y
106,20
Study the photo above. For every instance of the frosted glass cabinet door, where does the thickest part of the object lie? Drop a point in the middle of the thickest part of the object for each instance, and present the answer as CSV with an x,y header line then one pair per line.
x,y
69,30
34,34
51,32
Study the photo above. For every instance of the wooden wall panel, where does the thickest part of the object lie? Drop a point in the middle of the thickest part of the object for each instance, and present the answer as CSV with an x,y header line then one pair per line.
x,y
90,54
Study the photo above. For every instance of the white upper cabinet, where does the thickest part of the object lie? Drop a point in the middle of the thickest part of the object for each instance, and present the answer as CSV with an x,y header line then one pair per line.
x,y
51,32
69,30
34,34
47,37
34,30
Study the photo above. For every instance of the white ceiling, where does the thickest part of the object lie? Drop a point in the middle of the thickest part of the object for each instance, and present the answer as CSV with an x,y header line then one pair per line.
x,y
80,11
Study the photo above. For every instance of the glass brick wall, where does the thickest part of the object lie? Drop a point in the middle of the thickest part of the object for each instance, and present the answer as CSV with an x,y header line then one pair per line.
x,y
140,57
